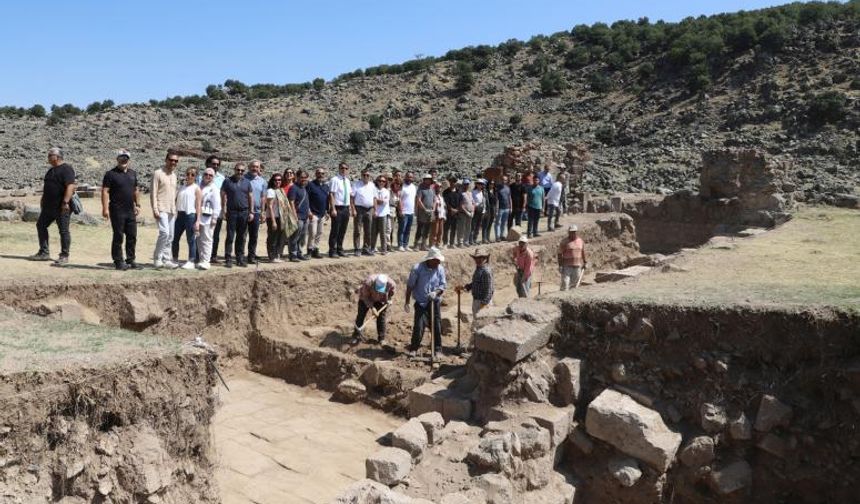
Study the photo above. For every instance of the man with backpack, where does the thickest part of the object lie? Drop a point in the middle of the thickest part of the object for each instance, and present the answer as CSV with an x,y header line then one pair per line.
x,y
56,202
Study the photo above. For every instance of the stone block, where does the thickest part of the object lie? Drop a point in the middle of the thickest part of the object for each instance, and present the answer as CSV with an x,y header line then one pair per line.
x,y
388,466
9,216
731,478
471,496
533,310
632,428
568,380
740,428
774,445
713,417
557,421
350,391
411,437
772,413
498,488
141,309
698,452
438,397
558,491
434,426
31,213
622,274
495,452
625,470
534,440
580,440
513,339
367,491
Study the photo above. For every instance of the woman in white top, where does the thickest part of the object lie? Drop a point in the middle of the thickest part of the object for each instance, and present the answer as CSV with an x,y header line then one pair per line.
x,y
275,202
439,216
210,209
381,211
188,202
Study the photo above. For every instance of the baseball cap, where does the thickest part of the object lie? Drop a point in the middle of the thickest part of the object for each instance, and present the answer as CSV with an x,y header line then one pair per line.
x,y
123,152
523,239
380,283
573,227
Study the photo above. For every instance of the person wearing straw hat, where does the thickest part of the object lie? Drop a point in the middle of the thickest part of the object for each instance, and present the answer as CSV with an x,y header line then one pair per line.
x,y
525,261
426,284
571,258
374,294
482,285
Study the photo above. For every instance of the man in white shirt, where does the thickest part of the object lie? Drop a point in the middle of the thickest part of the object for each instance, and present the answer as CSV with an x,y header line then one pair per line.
x,y
407,210
340,209
381,211
363,193
553,202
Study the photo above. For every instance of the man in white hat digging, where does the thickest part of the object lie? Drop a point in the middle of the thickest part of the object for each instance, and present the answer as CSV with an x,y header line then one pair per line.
x,y
571,258
426,284
374,294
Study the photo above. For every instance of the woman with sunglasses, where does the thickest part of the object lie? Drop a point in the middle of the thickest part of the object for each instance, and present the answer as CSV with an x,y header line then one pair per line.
x,y
275,204
210,210
188,209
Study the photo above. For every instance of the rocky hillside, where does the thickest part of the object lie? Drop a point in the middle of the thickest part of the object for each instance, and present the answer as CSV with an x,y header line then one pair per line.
x,y
645,98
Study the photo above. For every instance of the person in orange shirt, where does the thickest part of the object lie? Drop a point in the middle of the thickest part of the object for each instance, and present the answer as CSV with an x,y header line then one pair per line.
x,y
571,258
525,261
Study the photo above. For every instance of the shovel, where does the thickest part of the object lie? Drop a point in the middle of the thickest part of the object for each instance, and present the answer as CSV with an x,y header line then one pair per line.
x,y
579,277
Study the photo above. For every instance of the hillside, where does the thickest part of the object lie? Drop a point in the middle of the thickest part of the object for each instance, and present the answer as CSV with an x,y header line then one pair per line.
x,y
645,97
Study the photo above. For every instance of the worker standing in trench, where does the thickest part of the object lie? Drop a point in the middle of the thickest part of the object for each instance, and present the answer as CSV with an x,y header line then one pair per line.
x,y
426,284
571,259
374,295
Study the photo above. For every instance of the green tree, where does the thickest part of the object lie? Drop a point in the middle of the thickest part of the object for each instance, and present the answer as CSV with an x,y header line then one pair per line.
x,y
465,77
552,83
36,111
599,82
827,107
577,57
357,141
318,83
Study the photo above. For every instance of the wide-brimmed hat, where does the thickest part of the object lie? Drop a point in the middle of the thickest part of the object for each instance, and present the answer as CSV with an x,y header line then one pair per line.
x,y
434,253
523,239
480,252
427,176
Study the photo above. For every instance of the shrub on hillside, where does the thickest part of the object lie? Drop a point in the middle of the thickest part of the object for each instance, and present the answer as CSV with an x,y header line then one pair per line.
x,y
515,119
577,58
552,83
645,71
464,77
827,107
318,83
215,92
357,141
36,111
538,66
374,121
599,82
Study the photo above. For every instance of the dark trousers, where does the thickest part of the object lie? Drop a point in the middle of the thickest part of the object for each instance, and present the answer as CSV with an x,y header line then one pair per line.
x,y
534,220
449,230
275,238
124,224
253,235
296,240
487,225
516,217
422,320
422,233
403,229
361,225
45,220
552,211
338,230
237,226
380,320
216,237
184,223
477,222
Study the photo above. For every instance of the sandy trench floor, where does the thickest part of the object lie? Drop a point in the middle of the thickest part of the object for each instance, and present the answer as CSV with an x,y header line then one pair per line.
x,y
278,443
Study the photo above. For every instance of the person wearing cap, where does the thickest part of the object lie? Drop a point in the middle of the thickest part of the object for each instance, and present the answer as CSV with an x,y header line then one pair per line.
x,y
340,209
426,284
481,286
121,204
535,204
478,203
236,205
525,261
162,195
571,258
210,209
363,193
464,215
373,294
425,203
408,193
57,192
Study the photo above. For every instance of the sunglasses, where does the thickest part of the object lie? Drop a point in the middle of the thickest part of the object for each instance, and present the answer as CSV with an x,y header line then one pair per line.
x,y
208,175
173,160
191,174
278,179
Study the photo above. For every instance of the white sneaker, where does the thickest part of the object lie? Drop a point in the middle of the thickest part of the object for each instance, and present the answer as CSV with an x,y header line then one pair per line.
x,y
170,265
203,265
277,260
158,264
401,249
188,265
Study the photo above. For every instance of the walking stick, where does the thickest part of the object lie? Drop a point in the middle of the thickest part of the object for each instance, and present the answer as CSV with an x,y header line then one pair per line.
x,y
432,332
459,316
579,277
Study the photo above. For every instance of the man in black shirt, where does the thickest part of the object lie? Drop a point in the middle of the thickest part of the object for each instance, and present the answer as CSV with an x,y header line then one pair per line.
x,y
120,184
56,195
451,196
237,200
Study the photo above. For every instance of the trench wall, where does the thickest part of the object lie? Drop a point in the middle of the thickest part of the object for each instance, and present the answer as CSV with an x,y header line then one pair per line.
x,y
125,432
728,358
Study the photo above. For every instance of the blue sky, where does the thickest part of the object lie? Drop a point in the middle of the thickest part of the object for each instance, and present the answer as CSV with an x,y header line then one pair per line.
x,y
87,50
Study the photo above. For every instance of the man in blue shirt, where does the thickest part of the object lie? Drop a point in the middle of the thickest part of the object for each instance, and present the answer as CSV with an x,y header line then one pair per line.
x,y
236,203
298,197
258,191
318,198
426,284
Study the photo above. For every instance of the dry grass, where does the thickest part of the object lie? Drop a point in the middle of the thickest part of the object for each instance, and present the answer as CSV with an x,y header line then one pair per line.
x,y
812,261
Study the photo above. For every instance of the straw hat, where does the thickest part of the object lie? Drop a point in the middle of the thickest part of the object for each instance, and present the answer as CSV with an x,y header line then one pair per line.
x,y
434,253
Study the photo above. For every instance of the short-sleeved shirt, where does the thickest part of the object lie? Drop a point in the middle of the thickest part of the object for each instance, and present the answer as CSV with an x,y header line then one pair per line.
x,y
536,197
272,195
423,280
504,195
427,196
478,199
340,188
553,197
299,195
545,180
570,252
382,209
258,190
407,199
363,194
57,178
369,295
318,197
237,191
121,187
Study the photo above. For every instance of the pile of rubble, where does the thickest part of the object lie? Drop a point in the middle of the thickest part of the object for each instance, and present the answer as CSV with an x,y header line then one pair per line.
x,y
534,155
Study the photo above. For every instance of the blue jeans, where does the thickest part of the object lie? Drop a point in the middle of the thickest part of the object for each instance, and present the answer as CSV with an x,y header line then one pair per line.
x,y
184,223
501,224
403,230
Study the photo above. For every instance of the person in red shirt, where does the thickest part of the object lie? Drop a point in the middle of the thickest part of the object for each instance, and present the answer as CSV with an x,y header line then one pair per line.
x,y
525,261
571,258
374,293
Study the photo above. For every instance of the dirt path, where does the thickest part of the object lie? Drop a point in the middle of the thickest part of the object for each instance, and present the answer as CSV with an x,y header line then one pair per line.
x,y
278,443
